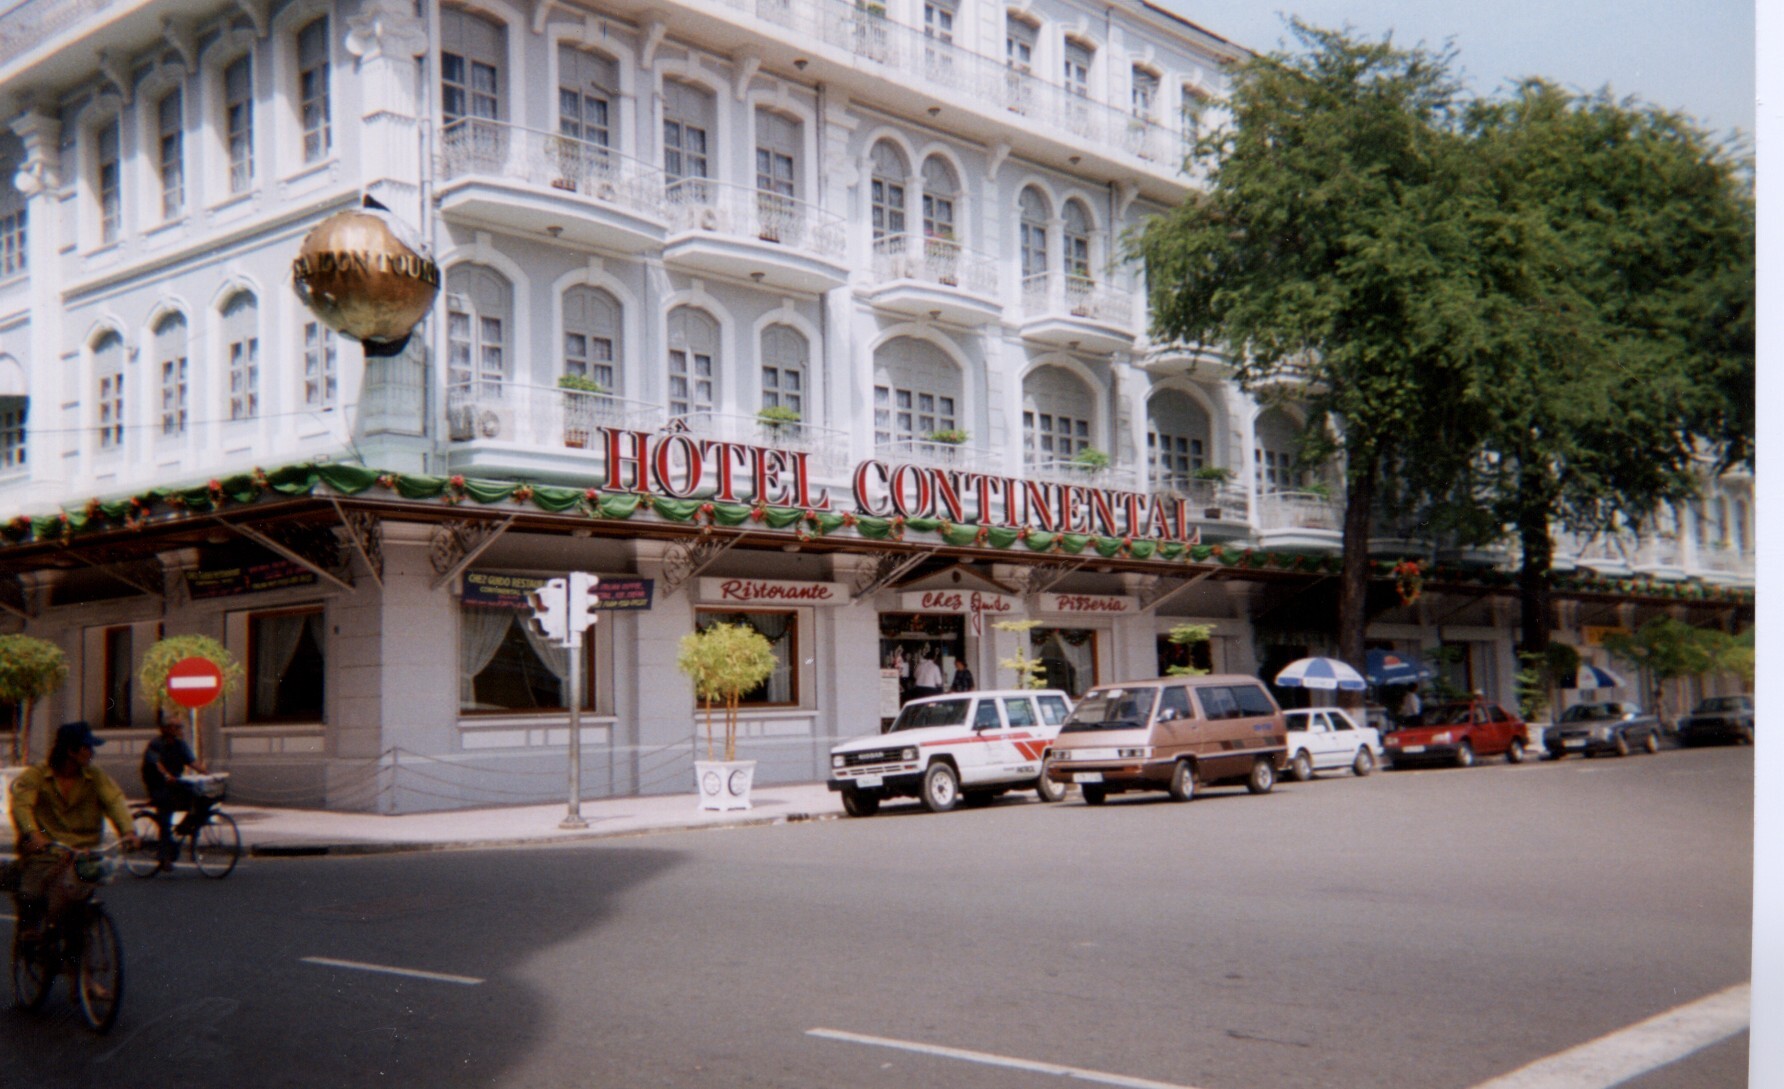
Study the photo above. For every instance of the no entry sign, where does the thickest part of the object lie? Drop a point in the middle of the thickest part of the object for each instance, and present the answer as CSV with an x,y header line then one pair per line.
x,y
194,682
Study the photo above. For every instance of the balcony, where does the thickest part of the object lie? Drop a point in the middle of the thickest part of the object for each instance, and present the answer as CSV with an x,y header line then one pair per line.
x,y
1219,508
745,233
939,455
509,178
1077,313
1605,554
827,449
1660,556
936,278
1723,565
1294,521
1066,471
509,427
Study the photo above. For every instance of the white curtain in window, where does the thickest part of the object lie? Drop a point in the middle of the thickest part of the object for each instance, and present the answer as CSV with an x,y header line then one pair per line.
x,y
481,632
275,643
555,657
773,627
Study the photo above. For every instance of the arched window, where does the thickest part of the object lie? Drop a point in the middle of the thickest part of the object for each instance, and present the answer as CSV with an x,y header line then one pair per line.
x,y
312,90
170,152
916,391
238,122
588,96
1056,416
1076,240
591,335
1177,437
241,346
1078,55
172,371
688,113
471,54
108,180
940,190
321,367
785,359
108,377
887,189
1033,208
1278,442
479,315
693,362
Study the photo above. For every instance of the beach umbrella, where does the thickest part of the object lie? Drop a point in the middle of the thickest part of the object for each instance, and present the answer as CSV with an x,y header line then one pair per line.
x,y
1591,676
1384,667
1321,673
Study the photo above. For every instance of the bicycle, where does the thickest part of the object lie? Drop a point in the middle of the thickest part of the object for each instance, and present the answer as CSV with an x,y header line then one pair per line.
x,y
214,846
79,939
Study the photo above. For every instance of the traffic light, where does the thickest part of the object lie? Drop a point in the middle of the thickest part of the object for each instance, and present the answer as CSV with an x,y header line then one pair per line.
x,y
550,617
583,601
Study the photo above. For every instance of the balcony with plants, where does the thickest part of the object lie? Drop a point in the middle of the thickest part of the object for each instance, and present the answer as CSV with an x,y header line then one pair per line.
x,y
776,428
946,449
743,232
504,176
1216,504
1302,519
1089,467
503,426
935,277
1076,312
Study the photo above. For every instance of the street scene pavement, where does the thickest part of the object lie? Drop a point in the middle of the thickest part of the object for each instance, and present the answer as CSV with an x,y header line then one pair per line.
x,y
1538,925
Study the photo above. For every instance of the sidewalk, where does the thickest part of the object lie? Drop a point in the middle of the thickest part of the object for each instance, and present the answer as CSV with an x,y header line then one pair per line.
x,y
268,831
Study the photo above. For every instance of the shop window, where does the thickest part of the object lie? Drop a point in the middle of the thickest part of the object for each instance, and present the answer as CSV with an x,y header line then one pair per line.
x,y
1174,655
781,629
506,667
1067,657
118,669
285,666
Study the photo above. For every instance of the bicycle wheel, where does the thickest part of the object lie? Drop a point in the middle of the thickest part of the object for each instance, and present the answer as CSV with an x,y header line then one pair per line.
x,y
33,970
145,861
99,981
217,846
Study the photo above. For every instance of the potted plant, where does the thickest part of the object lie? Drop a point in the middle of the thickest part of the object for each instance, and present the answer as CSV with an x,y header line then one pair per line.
x,y
1030,672
724,661
949,437
777,417
1091,460
30,669
160,660
576,413
1217,477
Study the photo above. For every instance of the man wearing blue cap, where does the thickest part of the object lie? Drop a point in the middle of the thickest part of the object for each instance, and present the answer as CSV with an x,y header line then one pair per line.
x,y
63,800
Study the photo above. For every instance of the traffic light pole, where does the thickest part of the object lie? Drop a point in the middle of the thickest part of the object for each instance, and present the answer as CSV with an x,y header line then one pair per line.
x,y
573,814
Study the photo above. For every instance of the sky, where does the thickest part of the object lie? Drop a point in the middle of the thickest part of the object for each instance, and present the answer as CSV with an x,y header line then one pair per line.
x,y
1697,58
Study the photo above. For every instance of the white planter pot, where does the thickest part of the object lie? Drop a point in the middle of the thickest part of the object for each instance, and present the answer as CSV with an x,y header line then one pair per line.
x,y
724,784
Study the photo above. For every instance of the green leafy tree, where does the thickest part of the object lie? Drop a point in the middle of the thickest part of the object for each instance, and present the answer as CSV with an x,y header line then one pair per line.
x,y
1331,252
160,660
1616,270
1663,649
725,661
1030,672
1188,635
30,669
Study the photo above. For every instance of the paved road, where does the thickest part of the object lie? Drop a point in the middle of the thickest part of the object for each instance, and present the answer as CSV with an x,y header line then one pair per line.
x,y
1430,929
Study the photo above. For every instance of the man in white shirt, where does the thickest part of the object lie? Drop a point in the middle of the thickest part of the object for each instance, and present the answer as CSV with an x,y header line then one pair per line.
x,y
928,678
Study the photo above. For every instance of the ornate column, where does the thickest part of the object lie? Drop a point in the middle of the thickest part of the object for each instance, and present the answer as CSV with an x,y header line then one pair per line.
x,y
39,178
387,37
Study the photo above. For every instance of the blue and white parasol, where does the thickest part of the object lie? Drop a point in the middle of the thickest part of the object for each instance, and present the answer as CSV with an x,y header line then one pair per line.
x,y
1384,667
1591,676
1321,673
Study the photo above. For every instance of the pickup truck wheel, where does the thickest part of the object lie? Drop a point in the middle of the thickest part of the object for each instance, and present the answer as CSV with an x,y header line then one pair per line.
x,y
1515,754
1093,794
1622,745
1263,776
1301,767
1048,790
1363,764
860,803
941,788
1183,781
1652,744
1465,756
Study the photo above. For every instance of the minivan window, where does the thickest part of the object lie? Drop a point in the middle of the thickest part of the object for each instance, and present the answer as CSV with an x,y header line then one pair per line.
x,y
1019,712
1253,700
1112,709
1053,710
1174,704
915,716
1218,702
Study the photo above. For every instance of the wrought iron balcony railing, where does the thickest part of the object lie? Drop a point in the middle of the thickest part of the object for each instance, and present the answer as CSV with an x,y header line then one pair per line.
x,y
473,146
934,260
697,204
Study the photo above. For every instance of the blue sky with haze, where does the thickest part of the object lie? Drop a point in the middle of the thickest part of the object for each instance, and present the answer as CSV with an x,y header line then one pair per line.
x,y
1696,58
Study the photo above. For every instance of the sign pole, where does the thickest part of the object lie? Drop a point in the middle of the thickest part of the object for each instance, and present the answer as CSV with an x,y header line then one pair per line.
x,y
573,812
192,728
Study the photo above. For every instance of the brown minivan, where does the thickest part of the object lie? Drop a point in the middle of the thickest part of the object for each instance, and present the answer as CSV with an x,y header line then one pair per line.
x,y
1172,734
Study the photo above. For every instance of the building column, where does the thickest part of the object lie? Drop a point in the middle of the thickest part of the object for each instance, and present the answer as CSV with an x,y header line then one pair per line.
x,y
387,37
40,179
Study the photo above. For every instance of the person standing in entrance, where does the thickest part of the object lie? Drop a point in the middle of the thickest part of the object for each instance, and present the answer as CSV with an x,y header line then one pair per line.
x,y
963,678
927,680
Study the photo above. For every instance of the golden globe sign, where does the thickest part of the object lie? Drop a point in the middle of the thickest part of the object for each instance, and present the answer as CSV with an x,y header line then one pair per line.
x,y
364,275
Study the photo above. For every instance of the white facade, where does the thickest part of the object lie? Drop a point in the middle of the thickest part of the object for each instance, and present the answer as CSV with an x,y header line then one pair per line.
x,y
897,221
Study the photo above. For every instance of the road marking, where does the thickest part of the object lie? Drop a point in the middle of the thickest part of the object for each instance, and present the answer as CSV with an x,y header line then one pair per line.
x,y
995,1060
443,977
1646,1045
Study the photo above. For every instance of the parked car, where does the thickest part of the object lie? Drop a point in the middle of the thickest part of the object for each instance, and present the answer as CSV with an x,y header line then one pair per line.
x,y
940,749
1458,732
1601,727
1174,734
1719,718
1327,739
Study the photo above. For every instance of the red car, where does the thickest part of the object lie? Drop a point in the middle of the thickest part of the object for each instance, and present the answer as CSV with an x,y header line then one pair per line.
x,y
1457,733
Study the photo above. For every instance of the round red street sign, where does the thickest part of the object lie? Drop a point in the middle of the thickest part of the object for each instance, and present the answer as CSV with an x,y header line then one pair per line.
x,y
194,682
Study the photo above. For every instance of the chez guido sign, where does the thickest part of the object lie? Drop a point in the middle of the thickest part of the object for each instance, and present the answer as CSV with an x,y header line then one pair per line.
x,y
684,466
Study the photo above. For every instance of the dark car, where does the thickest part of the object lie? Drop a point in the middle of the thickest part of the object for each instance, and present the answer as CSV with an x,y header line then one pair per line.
x,y
1719,718
1606,726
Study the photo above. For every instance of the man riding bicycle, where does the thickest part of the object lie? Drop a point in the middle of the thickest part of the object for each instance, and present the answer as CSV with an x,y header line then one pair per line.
x,y
163,763
63,800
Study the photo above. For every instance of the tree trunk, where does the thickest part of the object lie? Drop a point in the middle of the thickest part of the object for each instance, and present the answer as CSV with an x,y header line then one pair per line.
x,y
1533,576
1353,581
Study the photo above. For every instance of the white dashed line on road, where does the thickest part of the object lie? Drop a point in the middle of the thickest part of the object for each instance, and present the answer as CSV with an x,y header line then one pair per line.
x,y
389,970
989,1059
1646,1045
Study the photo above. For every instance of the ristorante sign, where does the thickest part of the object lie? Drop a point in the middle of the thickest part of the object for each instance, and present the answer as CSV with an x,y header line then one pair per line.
x,y
686,466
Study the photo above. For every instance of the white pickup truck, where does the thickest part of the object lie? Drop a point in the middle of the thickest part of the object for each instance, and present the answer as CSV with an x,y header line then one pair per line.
x,y
1326,739
942,748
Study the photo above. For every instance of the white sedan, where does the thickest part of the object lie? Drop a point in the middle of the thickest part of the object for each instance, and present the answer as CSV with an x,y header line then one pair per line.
x,y
1325,739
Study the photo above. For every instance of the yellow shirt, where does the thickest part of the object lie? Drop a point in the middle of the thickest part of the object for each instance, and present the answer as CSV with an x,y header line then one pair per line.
x,y
76,820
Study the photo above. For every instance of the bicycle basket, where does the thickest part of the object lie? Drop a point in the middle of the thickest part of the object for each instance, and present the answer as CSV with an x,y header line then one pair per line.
x,y
95,869
208,786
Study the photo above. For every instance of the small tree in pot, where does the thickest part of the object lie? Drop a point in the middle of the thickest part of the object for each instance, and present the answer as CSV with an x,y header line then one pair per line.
x,y
724,661
30,669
